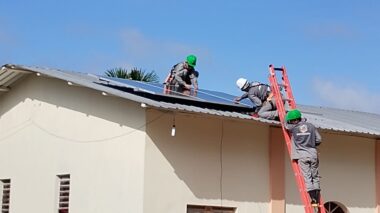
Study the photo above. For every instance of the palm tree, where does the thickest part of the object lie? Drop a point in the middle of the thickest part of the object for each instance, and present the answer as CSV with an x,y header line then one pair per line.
x,y
140,75
134,74
117,73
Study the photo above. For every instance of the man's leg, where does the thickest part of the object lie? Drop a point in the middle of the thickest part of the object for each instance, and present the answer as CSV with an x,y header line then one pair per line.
x,y
257,104
268,111
305,167
315,177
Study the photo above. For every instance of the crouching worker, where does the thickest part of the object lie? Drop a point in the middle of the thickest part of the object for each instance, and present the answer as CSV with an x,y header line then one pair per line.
x,y
183,76
260,96
305,139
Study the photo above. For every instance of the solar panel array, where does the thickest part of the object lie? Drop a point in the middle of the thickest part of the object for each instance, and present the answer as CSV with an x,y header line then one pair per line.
x,y
202,95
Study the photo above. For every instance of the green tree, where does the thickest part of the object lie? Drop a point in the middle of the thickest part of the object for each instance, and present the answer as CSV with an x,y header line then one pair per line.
x,y
134,74
117,73
140,75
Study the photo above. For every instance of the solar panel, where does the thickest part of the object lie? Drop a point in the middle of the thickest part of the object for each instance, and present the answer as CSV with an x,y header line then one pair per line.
x,y
202,95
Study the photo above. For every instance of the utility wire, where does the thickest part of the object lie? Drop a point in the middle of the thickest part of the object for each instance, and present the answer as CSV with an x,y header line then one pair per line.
x,y
14,130
30,122
221,165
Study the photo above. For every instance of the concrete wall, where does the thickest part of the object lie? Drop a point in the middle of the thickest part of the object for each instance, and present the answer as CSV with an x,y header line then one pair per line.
x,y
208,162
347,167
186,169
277,152
48,128
377,177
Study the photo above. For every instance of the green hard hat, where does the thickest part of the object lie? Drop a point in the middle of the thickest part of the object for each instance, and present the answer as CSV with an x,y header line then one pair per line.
x,y
191,60
293,115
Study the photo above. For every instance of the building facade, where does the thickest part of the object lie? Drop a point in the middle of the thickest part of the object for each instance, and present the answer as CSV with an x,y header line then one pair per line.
x,y
70,148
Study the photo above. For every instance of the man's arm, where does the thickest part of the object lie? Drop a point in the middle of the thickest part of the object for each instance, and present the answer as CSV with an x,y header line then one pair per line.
x,y
289,126
318,138
178,77
244,96
194,80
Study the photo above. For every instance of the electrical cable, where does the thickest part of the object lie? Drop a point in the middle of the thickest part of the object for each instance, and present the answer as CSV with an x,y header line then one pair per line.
x,y
221,165
17,128
30,122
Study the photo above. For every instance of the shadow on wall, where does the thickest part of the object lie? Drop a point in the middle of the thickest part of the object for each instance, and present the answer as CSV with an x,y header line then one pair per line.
x,y
79,99
238,171
347,169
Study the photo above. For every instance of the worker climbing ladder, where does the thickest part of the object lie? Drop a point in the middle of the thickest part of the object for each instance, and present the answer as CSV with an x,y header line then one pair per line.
x,y
275,87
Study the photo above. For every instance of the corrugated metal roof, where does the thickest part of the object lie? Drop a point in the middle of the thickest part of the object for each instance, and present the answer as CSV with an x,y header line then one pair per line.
x,y
345,121
342,120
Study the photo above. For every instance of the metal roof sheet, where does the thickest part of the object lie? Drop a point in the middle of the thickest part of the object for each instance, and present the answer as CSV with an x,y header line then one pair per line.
x,y
345,121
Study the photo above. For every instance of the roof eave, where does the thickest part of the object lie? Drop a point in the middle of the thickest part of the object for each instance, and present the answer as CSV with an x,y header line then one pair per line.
x,y
18,72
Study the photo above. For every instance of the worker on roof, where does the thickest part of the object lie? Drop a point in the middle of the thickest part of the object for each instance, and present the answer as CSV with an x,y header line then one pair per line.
x,y
305,140
261,97
183,75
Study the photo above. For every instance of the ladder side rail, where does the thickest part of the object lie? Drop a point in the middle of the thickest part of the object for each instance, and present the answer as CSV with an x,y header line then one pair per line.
x,y
288,89
281,111
292,104
301,189
300,181
277,94
321,203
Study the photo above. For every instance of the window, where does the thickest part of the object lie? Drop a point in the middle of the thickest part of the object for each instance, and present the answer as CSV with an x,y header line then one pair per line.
x,y
64,193
5,190
335,207
209,209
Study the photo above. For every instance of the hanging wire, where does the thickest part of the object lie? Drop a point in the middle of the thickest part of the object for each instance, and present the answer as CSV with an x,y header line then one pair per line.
x,y
14,130
221,164
31,122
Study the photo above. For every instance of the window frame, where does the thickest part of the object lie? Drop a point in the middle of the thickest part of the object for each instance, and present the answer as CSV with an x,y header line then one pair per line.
x,y
191,208
337,204
63,193
5,185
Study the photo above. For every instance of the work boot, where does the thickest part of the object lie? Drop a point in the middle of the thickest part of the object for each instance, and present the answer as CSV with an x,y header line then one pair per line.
x,y
313,197
317,195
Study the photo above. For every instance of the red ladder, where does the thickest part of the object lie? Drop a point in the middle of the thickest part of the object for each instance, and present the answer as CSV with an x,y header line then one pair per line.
x,y
275,87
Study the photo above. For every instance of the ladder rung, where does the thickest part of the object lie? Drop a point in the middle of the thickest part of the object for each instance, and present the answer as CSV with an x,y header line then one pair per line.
x,y
287,99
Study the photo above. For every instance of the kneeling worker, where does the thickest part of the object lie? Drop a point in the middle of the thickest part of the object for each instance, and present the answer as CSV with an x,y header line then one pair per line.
x,y
183,75
260,96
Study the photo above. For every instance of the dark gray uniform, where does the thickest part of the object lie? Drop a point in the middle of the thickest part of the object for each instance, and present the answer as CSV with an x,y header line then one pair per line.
x,y
305,139
258,94
182,75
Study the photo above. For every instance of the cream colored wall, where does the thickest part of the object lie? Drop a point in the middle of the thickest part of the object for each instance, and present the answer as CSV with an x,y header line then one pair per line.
x,y
191,168
347,168
277,170
377,177
48,128
186,169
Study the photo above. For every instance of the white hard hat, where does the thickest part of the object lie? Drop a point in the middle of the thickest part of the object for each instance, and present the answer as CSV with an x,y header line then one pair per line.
x,y
241,83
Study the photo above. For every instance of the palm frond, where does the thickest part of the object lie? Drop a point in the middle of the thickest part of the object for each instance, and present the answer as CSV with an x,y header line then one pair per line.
x,y
139,75
117,73
135,73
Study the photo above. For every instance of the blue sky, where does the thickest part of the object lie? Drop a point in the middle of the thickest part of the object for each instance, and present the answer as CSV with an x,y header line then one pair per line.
x,y
330,48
